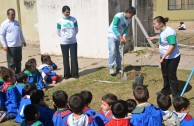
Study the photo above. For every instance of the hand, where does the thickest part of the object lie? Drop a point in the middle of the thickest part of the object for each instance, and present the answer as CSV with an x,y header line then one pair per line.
x,y
5,49
122,40
162,59
151,38
24,44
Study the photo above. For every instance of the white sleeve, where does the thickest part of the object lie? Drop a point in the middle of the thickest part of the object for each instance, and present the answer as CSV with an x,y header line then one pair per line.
x,y
3,35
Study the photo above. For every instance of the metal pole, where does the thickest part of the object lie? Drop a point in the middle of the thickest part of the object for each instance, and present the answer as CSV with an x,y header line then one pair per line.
x,y
19,12
134,26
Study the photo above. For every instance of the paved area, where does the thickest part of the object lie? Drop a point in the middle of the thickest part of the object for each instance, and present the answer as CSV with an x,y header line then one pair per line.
x,y
89,65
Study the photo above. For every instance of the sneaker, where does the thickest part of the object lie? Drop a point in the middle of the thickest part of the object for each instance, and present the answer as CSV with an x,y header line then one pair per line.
x,y
112,72
3,117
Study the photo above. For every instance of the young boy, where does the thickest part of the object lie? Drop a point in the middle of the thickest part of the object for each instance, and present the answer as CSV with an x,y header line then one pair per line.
x,y
145,114
182,106
12,96
105,114
53,65
78,118
31,116
131,104
169,117
46,114
60,99
34,76
87,95
47,71
119,110
2,95
21,79
25,101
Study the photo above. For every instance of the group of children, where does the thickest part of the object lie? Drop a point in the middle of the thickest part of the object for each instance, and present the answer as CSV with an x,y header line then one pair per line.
x,y
22,99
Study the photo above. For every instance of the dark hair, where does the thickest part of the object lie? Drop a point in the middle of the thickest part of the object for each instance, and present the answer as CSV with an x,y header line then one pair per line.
x,y
141,93
2,69
7,73
32,60
21,77
30,112
28,89
180,102
29,65
36,96
131,10
131,104
119,108
161,19
181,22
65,8
164,101
60,98
45,58
10,9
109,98
76,103
87,95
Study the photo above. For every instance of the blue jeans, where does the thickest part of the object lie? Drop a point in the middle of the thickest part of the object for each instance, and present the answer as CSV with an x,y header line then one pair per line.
x,y
115,53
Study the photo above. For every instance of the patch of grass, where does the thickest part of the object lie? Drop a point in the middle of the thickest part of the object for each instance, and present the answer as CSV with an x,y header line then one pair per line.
x,y
153,79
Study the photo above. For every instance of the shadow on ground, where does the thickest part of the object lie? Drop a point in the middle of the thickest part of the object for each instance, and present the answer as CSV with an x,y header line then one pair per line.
x,y
89,71
182,85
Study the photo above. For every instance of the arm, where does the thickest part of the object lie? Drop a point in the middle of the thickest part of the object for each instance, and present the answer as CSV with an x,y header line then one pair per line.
x,y
153,37
22,38
3,37
76,26
58,29
47,71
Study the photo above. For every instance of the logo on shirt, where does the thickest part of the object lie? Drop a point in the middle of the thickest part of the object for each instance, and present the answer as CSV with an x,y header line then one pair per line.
x,y
67,25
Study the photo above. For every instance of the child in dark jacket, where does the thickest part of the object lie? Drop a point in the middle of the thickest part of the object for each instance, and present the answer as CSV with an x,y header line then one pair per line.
x,y
25,101
21,80
60,99
182,106
87,95
31,116
104,116
46,114
12,96
145,114
47,71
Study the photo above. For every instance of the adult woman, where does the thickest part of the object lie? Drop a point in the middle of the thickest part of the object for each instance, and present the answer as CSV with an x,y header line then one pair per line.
x,y
169,55
67,29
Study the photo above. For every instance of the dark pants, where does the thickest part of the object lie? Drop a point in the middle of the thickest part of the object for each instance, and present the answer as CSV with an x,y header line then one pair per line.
x,y
169,69
72,48
14,58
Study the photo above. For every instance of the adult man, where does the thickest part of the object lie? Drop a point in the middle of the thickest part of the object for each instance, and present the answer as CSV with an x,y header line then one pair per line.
x,y
12,41
116,35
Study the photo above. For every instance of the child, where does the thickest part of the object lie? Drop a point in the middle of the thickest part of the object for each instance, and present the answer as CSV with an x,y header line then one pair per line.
x,y
60,101
145,114
78,118
119,110
87,95
46,69
182,26
21,82
31,116
34,76
105,114
131,104
46,114
53,65
2,95
169,117
25,101
182,106
12,95
1,73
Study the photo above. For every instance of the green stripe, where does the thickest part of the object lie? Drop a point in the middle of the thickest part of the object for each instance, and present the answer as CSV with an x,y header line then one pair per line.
x,y
75,24
171,39
58,26
116,21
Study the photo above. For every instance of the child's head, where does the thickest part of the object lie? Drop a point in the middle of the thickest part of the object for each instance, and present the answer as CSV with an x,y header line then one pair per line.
x,y
76,103
141,93
60,98
29,88
30,66
2,69
164,101
119,109
31,113
181,104
46,59
37,96
8,76
131,104
87,95
107,101
33,60
22,78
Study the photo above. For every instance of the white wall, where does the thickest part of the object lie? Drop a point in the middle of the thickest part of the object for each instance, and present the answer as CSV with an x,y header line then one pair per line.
x,y
92,16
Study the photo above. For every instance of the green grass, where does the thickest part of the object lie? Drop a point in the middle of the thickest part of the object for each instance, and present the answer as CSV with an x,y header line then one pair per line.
x,y
152,78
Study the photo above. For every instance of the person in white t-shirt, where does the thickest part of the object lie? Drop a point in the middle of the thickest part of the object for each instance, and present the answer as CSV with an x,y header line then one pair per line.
x,y
182,26
169,55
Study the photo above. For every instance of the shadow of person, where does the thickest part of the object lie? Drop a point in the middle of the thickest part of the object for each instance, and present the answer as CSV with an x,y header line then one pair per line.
x,y
89,71
181,85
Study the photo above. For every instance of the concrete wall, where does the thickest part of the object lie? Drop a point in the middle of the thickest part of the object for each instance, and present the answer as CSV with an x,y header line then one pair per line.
x,y
29,18
161,8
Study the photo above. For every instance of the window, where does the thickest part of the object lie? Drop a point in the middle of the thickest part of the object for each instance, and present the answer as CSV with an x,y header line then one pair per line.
x,y
180,4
